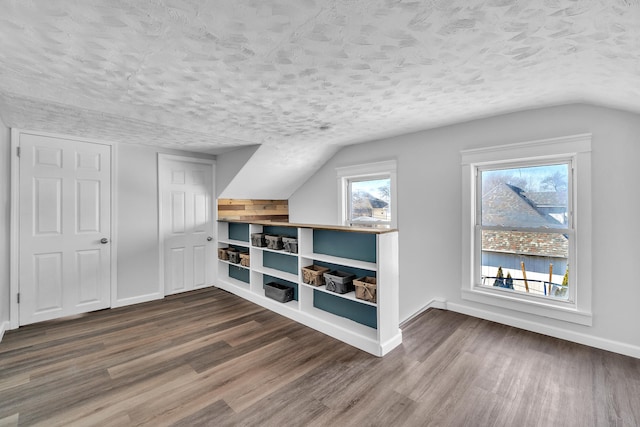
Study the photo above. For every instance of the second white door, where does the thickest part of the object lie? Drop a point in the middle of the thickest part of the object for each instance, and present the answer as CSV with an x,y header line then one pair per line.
x,y
186,223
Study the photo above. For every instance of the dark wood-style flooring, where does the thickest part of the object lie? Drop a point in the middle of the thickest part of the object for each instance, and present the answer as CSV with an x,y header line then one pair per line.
x,y
210,358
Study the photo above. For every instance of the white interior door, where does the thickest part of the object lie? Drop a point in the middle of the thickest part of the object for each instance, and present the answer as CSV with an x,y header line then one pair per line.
x,y
186,222
65,227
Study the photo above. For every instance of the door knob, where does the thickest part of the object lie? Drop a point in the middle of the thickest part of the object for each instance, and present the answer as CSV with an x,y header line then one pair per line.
x,y
104,240
209,239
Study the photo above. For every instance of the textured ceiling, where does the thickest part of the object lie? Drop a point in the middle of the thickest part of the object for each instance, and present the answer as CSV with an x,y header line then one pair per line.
x,y
214,75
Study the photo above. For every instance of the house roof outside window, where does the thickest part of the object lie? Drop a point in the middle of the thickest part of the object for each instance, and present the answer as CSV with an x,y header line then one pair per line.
x,y
506,205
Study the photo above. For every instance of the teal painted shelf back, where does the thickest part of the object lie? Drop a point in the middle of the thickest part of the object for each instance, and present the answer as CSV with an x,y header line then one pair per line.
x,y
359,246
361,313
239,231
239,273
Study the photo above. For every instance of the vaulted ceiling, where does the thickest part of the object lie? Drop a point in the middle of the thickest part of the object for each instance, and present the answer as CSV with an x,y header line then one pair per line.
x,y
303,77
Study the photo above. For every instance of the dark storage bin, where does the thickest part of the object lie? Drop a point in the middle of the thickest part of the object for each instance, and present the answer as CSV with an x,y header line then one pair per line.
x,y
339,281
290,244
234,255
257,239
278,292
273,242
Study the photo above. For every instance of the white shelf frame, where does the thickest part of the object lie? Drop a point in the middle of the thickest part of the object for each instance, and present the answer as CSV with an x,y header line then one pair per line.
x,y
377,341
234,243
363,265
351,296
277,273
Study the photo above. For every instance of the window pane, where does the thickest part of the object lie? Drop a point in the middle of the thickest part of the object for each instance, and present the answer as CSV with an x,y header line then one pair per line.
x,y
370,200
531,197
539,254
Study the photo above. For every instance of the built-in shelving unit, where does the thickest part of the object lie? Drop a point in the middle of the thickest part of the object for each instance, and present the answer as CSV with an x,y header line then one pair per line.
x,y
372,327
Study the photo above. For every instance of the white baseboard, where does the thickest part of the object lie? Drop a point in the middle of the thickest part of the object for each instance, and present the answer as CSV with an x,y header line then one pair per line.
x,y
434,303
136,300
577,337
4,326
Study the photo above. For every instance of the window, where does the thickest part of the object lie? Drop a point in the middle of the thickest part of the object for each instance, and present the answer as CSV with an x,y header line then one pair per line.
x,y
522,207
368,200
367,194
524,228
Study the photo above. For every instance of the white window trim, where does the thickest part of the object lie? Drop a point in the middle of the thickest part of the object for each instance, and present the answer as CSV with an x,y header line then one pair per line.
x,y
346,173
578,149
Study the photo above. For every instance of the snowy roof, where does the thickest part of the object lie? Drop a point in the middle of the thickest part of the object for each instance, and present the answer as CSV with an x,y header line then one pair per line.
x,y
508,205
538,244
548,198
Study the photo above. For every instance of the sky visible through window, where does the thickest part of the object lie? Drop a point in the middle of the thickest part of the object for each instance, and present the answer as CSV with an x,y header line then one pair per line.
x,y
532,178
374,187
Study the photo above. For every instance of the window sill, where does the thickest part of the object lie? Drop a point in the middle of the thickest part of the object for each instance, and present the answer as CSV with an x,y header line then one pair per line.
x,y
563,311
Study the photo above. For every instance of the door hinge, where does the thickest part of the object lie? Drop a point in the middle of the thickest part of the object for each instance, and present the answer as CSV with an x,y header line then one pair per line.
x,y
18,151
18,297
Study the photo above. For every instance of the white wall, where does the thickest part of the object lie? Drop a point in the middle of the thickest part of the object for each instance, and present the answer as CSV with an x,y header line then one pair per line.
x,y
275,171
229,164
137,232
429,214
5,206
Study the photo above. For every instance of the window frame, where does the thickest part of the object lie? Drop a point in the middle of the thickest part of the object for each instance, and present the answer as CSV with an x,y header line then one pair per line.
x,y
573,149
366,172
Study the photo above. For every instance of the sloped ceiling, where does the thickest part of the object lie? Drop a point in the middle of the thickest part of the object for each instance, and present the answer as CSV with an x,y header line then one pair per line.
x,y
303,77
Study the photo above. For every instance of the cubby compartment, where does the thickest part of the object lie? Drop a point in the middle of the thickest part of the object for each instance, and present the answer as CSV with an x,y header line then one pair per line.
x,y
350,309
271,279
234,234
239,232
278,230
354,246
234,275
239,273
357,272
282,262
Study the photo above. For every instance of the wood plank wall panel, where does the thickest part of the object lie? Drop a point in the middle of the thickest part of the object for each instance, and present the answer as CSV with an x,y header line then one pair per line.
x,y
253,210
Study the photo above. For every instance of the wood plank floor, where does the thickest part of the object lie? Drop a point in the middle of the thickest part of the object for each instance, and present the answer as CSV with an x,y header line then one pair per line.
x,y
210,358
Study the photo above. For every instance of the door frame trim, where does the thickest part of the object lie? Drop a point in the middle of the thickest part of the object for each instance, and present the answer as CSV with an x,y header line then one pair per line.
x,y
14,243
162,159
